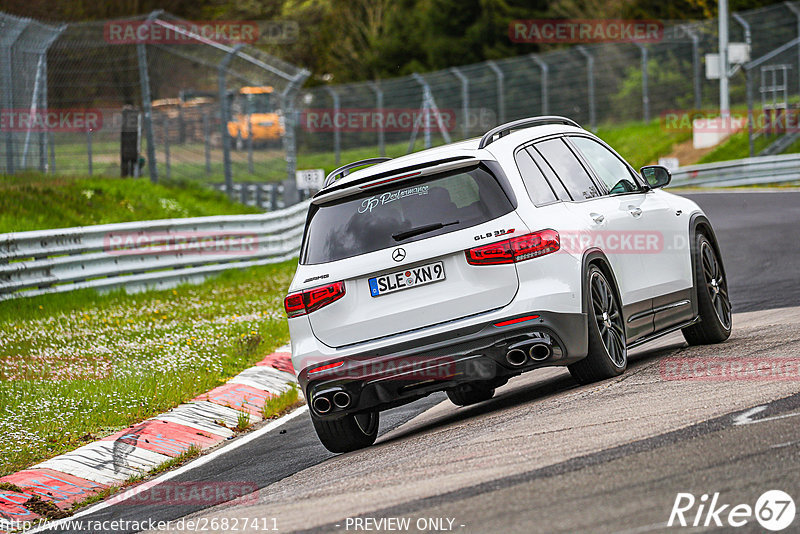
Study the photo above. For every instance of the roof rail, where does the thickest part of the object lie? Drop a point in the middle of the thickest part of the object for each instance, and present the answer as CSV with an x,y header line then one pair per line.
x,y
504,129
344,170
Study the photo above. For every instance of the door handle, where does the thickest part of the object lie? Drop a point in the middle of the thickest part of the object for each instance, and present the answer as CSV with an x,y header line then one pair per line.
x,y
598,218
636,212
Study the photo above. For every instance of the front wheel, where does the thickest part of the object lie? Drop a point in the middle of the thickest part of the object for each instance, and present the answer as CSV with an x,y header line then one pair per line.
x,y
713,304
608,352
347,433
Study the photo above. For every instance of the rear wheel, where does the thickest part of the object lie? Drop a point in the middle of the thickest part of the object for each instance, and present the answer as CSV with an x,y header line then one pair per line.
x,y
470,394
713,304
608,353
347,433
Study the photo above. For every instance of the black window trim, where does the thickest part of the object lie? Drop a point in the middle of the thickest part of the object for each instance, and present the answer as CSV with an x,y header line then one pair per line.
x,y
634,174
555,195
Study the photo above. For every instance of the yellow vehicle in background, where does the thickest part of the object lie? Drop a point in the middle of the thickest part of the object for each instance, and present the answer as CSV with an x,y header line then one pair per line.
x,y
266,122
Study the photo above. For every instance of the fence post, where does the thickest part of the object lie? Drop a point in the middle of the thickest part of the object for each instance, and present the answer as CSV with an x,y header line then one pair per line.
x,y
748,87
289,140
501,98
249,140
590,85
166,147
796,12
207,142
464,100
6,61
337,136
645,93
89,148
44,137
426,111
379,105
222,72
147,108
545,72
698,102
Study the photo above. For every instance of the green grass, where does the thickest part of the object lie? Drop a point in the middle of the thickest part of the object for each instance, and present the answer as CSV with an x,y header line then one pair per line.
x,y
642,143
275,406
76,366
737,147
33,201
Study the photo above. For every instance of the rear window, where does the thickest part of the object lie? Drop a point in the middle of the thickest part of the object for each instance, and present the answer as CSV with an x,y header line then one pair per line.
x,y
377,220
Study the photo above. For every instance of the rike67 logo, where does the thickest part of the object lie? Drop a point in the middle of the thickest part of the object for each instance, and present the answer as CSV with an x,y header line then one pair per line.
x,y
774,510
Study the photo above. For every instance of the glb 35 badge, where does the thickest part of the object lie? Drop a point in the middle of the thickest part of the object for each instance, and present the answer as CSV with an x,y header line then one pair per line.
x,y
496,233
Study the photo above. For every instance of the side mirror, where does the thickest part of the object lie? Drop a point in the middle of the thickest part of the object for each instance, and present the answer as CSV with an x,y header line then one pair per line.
x,y
655,176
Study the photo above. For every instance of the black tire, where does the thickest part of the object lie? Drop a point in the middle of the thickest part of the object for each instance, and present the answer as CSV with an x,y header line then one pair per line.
x,y
347,433
713,303
608,353
470,394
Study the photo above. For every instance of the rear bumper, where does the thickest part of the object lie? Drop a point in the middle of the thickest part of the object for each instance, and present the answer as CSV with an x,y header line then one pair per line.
x,y
397,374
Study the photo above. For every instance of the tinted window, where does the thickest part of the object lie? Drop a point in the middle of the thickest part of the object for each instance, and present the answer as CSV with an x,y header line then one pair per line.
x,y
549,174
609,168
371,221
568,168
534,180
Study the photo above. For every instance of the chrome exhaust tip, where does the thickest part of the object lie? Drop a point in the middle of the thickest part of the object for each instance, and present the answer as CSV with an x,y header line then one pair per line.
x,y
516,357
341,399
539,352
322,405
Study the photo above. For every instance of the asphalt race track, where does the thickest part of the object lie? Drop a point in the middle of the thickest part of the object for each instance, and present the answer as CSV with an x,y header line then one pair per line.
x,y
547,455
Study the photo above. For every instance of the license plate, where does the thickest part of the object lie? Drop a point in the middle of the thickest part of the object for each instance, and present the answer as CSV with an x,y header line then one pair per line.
x,y
406,279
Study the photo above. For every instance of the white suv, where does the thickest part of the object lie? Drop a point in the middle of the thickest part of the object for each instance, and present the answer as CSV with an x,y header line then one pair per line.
x,y
459,267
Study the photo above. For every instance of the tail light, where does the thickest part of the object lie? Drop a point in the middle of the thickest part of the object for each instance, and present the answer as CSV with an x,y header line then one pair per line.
x,y
516,249
311,300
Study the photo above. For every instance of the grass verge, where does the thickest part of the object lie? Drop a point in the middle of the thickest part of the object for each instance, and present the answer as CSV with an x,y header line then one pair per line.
x,y
79,365
33,201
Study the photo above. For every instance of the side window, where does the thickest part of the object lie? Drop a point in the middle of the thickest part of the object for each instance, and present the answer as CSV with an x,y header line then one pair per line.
x,y
609,168
550,176
568,168
532,177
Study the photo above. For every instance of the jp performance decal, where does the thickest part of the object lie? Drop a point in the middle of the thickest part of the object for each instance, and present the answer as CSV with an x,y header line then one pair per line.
x,y
372,202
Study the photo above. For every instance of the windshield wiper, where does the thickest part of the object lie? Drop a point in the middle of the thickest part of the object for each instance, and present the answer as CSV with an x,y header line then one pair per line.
x,y
400,236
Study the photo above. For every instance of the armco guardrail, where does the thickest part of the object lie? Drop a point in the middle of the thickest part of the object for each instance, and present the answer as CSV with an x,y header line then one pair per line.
x,y
749,171
145,254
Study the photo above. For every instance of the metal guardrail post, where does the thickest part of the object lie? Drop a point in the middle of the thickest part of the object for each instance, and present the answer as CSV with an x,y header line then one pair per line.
x,y
337,136
464,101
501,91
222,72
645,93
9,37
545,74
590,85
147,107
375,86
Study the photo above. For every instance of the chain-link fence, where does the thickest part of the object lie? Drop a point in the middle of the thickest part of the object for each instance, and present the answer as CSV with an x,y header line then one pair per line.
x,y
209,109
594,84
194,106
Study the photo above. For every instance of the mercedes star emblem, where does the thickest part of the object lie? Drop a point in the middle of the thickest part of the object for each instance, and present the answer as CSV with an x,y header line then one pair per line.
x,y
398,254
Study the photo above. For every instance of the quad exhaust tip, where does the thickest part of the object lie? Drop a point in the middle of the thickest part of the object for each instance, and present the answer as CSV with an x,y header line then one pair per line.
x,y
341,399
322,405
540,352
516,357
